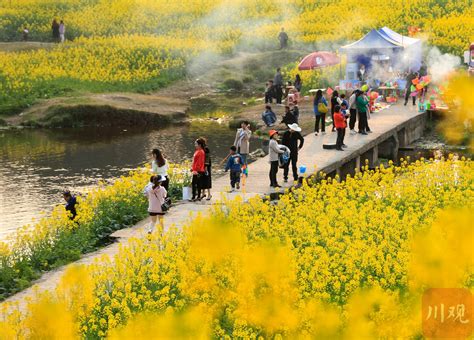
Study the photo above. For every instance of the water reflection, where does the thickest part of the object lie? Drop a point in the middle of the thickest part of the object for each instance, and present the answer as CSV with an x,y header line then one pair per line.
x,y
37,164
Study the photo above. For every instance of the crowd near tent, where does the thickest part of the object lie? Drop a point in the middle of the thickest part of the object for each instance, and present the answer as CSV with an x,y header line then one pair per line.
x,y
385,48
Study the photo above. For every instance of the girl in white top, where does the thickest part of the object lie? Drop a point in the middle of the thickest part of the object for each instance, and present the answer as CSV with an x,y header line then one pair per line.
x,y
156,195
160,166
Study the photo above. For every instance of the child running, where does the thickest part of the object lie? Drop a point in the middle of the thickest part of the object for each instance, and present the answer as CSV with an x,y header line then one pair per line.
x,y
234,164
156,195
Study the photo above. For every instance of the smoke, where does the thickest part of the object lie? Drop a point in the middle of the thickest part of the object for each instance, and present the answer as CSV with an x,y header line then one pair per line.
x,y
441,65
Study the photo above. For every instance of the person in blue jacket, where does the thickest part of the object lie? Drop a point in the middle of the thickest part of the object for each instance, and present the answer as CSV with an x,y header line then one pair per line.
x,y
70,203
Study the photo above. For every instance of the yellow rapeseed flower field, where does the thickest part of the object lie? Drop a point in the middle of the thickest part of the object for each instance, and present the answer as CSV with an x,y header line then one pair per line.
x,y
146,37
334,260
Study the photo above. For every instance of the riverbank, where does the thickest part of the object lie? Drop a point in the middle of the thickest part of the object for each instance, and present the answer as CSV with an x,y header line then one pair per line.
x,y
228,84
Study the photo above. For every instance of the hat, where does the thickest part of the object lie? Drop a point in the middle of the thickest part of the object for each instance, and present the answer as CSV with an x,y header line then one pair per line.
x,y
272,132
294,127
66,193
160,178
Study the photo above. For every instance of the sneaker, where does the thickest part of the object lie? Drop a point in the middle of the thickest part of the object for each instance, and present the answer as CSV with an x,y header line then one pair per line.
x,y
339,149
363,133
315,133
231,190
237,185
353,132
323,133
344,146
369,131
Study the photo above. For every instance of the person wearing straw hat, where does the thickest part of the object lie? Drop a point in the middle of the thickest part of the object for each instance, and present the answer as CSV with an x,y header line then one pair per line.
x,y
273,152
294,141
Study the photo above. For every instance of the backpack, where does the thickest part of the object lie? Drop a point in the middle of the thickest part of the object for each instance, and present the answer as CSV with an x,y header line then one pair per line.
x,y
322,108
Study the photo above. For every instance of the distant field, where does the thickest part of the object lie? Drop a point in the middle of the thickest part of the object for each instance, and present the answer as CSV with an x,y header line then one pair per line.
x,y
145,44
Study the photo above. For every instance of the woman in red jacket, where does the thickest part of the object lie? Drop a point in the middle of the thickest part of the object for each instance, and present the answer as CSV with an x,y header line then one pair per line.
x,y
198,168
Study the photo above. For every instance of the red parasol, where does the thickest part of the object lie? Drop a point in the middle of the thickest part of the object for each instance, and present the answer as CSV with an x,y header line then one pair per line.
x,y
318,60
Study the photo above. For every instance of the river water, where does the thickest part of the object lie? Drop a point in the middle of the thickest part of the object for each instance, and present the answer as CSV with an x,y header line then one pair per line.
x,y
36,165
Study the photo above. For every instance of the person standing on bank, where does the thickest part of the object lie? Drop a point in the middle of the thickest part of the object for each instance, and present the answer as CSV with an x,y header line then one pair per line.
x,y
273,152
283,38
320,108
278,83
335,100
242,140
207,179
198,168
294,141
362,106
298,83
353,111
70,204
340,122
55,29
156,195
62,31
160,166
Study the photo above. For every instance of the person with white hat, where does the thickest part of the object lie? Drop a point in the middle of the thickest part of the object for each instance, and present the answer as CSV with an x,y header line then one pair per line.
x,y
294,141
156,195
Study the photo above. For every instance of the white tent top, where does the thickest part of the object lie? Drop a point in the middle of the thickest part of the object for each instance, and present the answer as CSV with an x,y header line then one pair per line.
x,y
381,39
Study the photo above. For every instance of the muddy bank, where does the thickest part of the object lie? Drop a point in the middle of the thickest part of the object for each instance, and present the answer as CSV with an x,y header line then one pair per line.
x,y
101,116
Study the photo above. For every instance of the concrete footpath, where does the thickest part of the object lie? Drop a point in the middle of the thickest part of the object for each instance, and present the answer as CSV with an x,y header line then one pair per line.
x,y
392,127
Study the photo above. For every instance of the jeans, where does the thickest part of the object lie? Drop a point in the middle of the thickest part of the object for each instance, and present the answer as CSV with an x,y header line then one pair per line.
x,y
234,178
340,137
273,173
320,118
286,168
353,118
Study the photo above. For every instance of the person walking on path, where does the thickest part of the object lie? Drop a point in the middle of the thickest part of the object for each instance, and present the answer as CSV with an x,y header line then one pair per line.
x,y
340,122
25,33
320,108
362,104
353,111
283,38
207,179
62,31
160,166
294,141
156,195
55,30
234,164
268,116
198,168
273,152
335,100
278,83
242,140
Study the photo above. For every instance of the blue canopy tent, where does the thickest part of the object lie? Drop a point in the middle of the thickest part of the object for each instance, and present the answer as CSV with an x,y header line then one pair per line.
x,y
394,50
